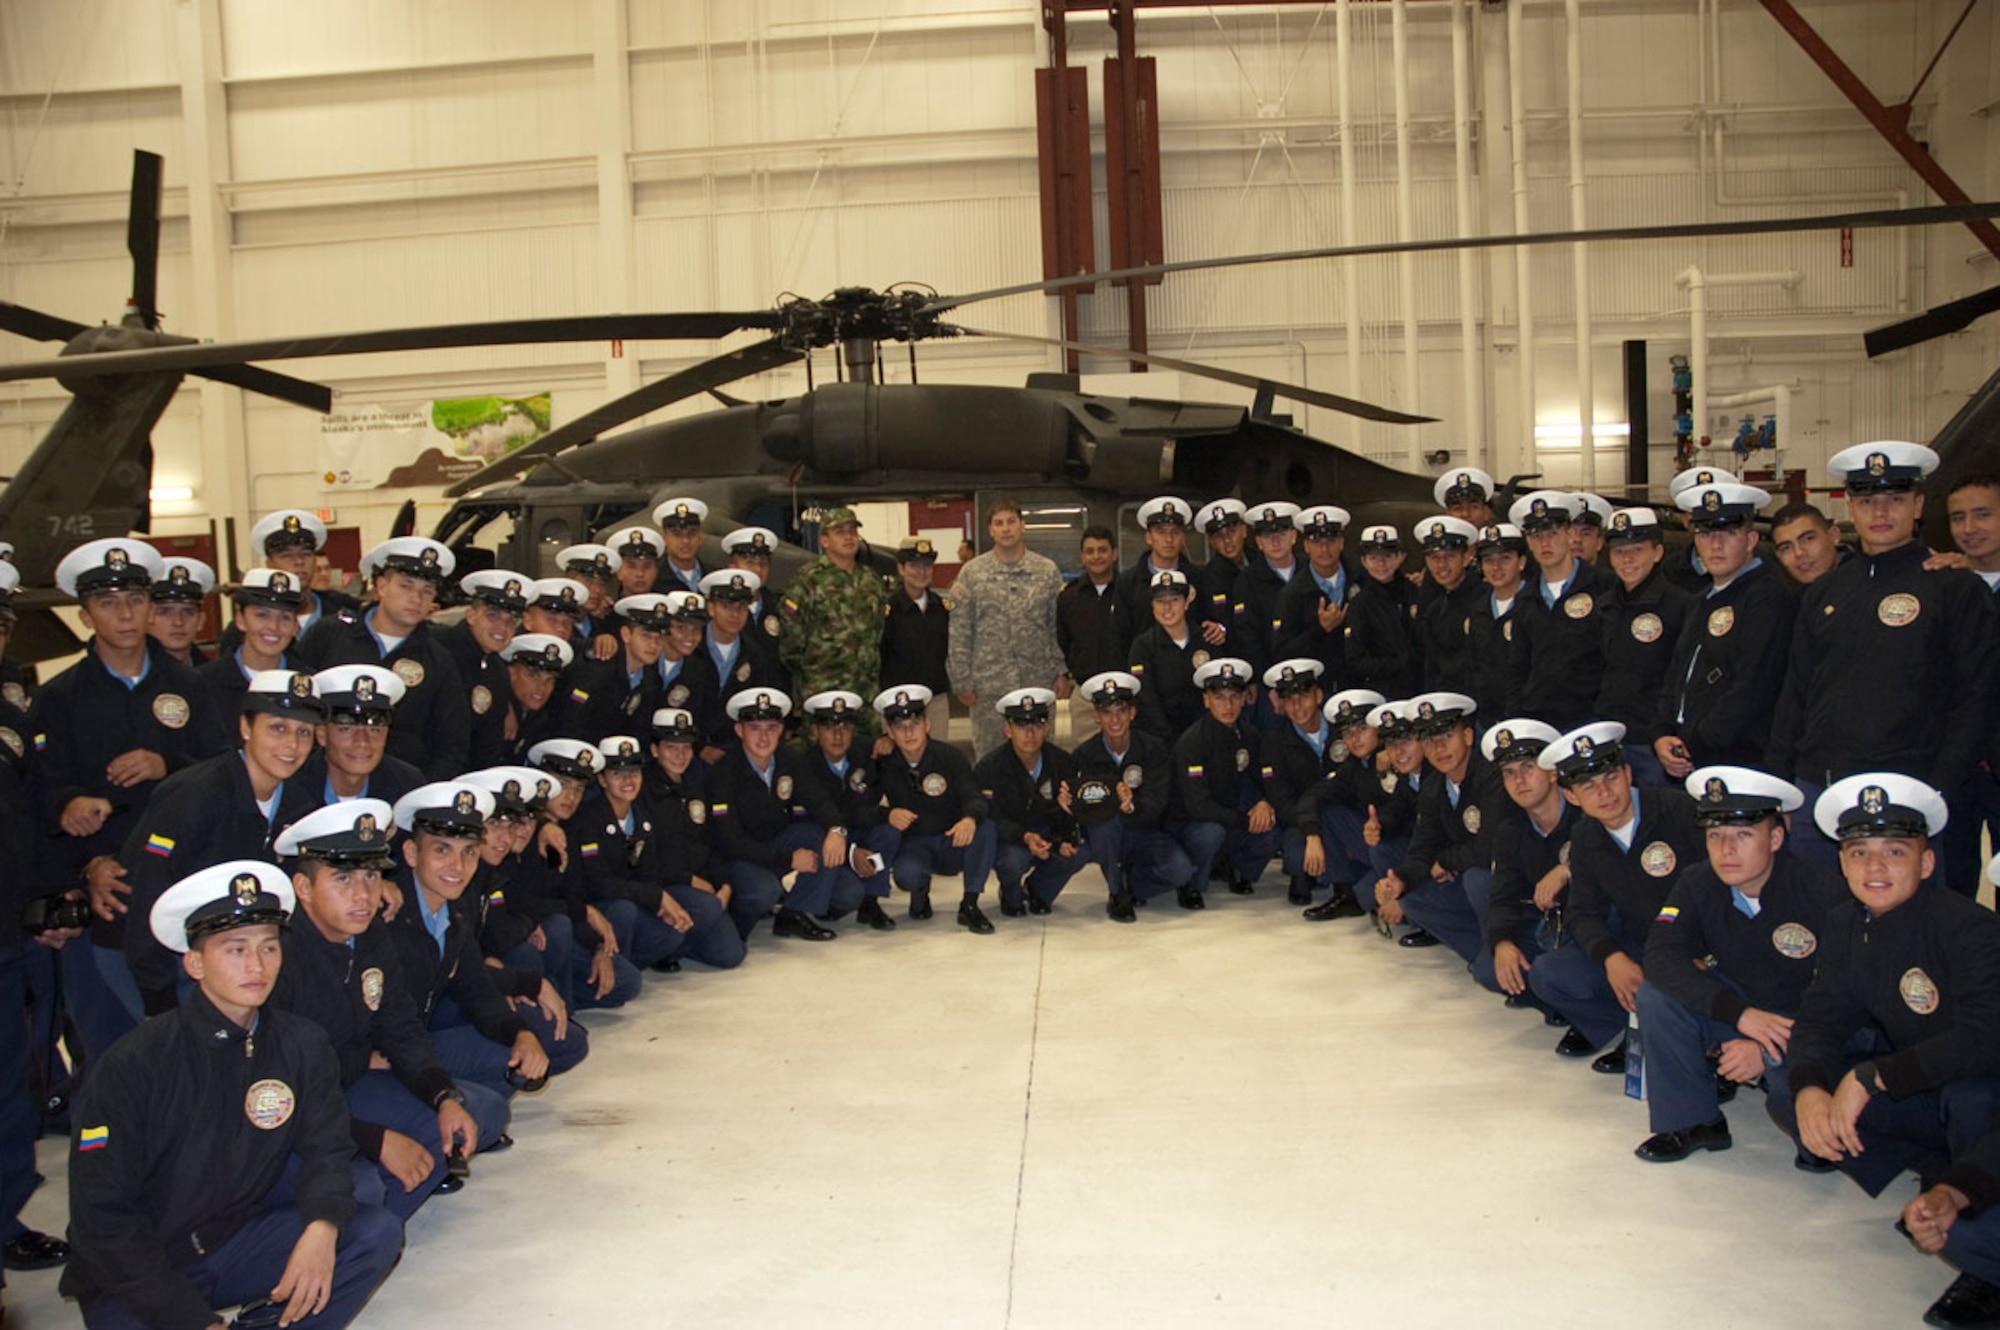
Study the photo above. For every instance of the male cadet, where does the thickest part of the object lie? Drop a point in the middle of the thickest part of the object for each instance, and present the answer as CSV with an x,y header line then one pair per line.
x,y
1530,849
1496,638
1091,625
1445,882
830,618
1003,624
750,548
626,857
1219,810
596,567
179,594
1222,522
1467,494
350,758
556,608
105,732
290,541
768,821
851,782
405,1120
495,600
13,679
639,550
1253,602
1129,774
1312,612
1642,615
916,634
1298,754
183,1197
1728,959
1688,568
434,718
610,925
1622,861
228,807
535,711
1028,784
1590,516
1806,543
266,620
1382,621
1352,797
1164,658
679,520
1165,522
742,658
616,695
934,801
480,1035
1563,662
1443,640
1892,664
687,674
1715,709
1895,1054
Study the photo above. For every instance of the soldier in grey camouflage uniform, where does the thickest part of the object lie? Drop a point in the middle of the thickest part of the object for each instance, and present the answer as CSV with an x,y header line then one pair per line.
x,y
830,620
1003,625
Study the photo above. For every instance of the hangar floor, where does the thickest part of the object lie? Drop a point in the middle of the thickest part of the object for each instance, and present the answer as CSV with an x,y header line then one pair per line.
x,y
1226,1118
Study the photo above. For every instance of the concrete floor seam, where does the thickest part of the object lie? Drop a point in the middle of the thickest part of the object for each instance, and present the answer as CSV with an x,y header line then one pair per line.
x,y
1027,1114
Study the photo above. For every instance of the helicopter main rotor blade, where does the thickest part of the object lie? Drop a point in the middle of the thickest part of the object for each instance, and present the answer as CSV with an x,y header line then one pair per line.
x,y
1277,388
25,322
513,332
1950,317
142,234
695,379
1927,216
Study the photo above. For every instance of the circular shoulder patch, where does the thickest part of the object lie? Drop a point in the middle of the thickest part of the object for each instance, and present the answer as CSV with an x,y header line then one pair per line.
x,y
934,784
1648,628
1657,859
1199,658
783,788
697,811
371,988
743,672
411,672
269,1105
1579,605
1507,630
1242,759
1470,817
1389,779
1721,621
1919,993
1899,609
482,699
857,779
1134,777
771,624
677,695
1794,942
13,742
14,694
1562,853
171,710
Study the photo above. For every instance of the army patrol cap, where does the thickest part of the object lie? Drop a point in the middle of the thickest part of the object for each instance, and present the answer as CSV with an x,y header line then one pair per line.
x,y
558,595
221,897
1884,467
567,757
288,529
1381,540
1269,518
1220,515
1110,688
416,556
1584,752
753,704
905,701
1499,536
446,808
1739,796
538,651
1172,584
1026,706
673,725
687,607
680,514
1164,511
839,517
1289,678
497,587
1879,803
1225,674
517,791
1629,526
1541,510
358,690
1721,505
836,706
650,611
1323,522
108,565
1468,484
1590,510
915,549
622,752
751,542
600,562
182,580
1446,533
1441,713
1684,481
283,693
271,589
1393,720
737,586
351,834
1518,739
636,542
1349,707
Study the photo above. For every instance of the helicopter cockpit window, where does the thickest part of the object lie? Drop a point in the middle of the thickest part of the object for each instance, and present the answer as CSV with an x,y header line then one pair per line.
x,y
553,535
479,534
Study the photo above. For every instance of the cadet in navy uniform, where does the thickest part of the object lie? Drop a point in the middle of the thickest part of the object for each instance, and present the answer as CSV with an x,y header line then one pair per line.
x,y
266,622
557,607
537,705
1895,1055
687,674
13,679
647,927
1445,881
434,718
1642,617
557,872
1134,772
1164,658
676,788
1253,603
338,960
1727,960
617,694
1165,520
934,801
178,597
750,548
768,820
228,807
1353,791
679,519
1443,623
1530,849
1028,784
1688,568
290,541
1466,493
211,1161
1222,522
1881,645
1298,753
1730,662
1219,811
1622,862
1312,612
1496,636
596,567
495,602
1382,619
741,658
1563,661
851,782
639,550
350,758
916,633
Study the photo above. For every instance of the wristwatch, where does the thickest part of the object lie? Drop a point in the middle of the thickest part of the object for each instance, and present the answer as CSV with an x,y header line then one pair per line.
x,y
837,831
456,1095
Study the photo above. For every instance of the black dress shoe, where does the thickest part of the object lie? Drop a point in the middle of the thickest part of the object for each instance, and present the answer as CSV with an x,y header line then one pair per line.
x,y
1805,1161
35,1251
1300,892
1416,937
1725,1089
501,1144
1340,905
1036,905
1120,907
1671,1147
1575,1044
1612,1063
920,904
1552,1018
1190,899
971,917
668,966
450,1185
1012,905
798,924
1238,887
872,914
1969,1301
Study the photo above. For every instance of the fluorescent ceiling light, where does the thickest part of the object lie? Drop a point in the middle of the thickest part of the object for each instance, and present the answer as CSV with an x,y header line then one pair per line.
x,y
170,493
1574,430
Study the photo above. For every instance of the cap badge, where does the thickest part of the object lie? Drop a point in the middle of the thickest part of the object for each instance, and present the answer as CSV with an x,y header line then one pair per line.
x,y
680,510
763,699
1715,791
1878,463
114,557
245,887
584,759
1711,501
1539,508
1504,739
1437,530
552,653
1583,747
464,802
1874,799
302,685
365,828
513,587
1621,522
364,688
281,582
292,524
601,561
1465,480
511,789
1426,710
179,575
544,787
428,558
1704,477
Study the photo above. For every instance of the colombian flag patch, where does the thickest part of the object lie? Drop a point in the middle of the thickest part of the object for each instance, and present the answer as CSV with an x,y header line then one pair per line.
x,y
1667,915
92,1138
590,850
160,845
1195,772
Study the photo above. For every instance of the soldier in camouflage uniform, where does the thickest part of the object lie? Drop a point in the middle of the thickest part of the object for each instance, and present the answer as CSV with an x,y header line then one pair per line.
x,y
1003,625
830,620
